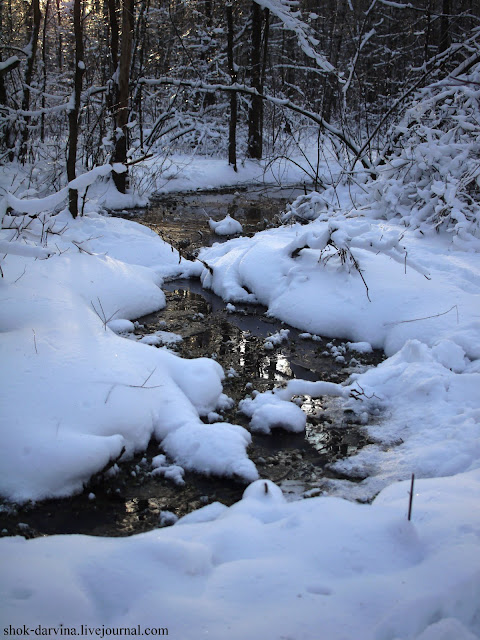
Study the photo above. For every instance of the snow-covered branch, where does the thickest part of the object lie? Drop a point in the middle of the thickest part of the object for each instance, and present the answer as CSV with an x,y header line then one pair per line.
x,y
25,250
198,85
282,9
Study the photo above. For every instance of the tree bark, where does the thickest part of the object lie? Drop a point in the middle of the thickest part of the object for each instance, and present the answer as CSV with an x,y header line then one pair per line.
x,y
44,70
255,113
232,129
34,30
444,42
73,114
122,107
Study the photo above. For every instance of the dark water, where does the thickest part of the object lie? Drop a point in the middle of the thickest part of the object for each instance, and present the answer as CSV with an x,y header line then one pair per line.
x,y
133,500
182,218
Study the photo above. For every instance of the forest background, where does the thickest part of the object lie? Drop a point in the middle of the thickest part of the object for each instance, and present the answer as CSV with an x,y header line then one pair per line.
x,y
86,83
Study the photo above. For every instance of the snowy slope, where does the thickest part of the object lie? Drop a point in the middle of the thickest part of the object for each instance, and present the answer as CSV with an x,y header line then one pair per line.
x,y
74,394
323,568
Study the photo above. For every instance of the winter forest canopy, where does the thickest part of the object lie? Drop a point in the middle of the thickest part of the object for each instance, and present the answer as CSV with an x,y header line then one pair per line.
x,y
87,83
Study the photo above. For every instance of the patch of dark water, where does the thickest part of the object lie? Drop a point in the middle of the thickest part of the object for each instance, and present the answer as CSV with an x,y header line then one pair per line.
x,y
182,218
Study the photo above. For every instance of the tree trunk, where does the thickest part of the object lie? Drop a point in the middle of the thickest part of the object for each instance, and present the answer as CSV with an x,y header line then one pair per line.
x,y
139,55
444,42
34,30
6,135
44,70
122,109
232,129
73,114
255,114
266,33
60,36
337,33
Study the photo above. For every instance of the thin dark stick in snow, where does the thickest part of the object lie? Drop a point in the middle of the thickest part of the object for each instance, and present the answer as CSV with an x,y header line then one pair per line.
x,y
437,315
81,249
104,319
35,341
356,394
62,252
148,377
20,276
134,386
410,501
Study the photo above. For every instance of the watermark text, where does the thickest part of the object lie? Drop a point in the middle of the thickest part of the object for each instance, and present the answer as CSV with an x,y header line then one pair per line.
x,y
62,630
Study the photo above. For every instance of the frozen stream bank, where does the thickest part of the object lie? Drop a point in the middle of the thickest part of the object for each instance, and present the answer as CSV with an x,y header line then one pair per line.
x,y
132,500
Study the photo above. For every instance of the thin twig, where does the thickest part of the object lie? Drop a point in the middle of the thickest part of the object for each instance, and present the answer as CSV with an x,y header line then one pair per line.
x,y
103,319
410,501
356,394
35,341
437,315
81,248
21,275
134,386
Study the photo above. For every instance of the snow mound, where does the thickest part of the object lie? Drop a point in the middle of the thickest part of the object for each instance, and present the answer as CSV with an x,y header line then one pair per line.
x,y
226,227
276,338
75,395
267,411
436,436
218,449
265,568
363,281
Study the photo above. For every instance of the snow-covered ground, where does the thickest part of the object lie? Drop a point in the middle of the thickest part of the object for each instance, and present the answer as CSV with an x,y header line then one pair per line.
x,y
320,568
75,392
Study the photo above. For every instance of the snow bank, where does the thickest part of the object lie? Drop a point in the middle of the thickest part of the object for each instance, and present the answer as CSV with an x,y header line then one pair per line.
x,y
323,567
74,394
313,289
428,403
347,278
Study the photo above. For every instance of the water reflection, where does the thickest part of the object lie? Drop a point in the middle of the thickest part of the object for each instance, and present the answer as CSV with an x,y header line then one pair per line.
x,y
237,341
182,219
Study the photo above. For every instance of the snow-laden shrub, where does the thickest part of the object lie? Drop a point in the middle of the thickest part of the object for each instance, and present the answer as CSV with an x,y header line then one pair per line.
x,y
431,179
336,240
311,206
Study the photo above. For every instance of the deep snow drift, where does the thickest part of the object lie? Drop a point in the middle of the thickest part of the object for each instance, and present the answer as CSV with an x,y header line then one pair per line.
x,y
74,394
264,569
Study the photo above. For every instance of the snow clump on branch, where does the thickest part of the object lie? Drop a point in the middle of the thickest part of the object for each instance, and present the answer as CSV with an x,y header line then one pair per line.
x,y
432,179
429,174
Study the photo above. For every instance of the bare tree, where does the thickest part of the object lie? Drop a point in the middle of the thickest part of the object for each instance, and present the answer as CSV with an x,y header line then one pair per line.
x,y
73,114
121,107
232,129
255,114
34,21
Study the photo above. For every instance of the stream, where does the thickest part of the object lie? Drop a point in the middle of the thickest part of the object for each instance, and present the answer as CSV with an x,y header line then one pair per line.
x,y
133,500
